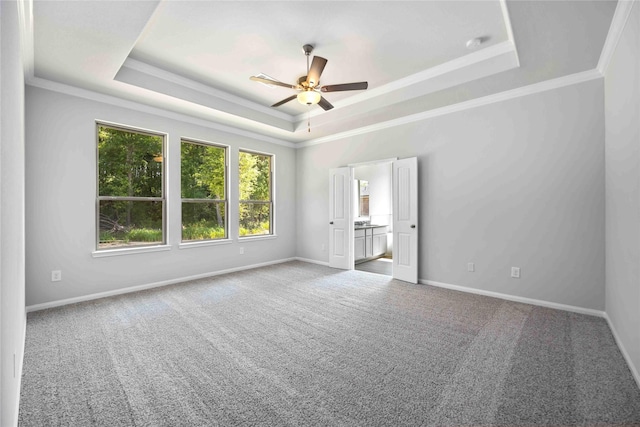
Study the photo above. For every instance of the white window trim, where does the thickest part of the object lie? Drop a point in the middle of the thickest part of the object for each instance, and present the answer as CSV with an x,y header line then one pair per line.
x,y
124,250
201,243
227,155
258,237
102,253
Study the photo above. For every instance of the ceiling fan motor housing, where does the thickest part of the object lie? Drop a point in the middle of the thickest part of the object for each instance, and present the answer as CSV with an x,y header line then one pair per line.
x,y
302,82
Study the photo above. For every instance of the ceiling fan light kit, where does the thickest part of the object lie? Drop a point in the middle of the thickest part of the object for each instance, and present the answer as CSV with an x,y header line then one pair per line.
x,y
309,97
309,86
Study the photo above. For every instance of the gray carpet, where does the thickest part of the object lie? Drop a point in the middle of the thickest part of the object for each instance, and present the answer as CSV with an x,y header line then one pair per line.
x,y
299,344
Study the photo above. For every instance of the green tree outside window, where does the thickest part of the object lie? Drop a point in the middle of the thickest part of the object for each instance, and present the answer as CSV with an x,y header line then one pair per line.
x,y
256,204
130,202
203,185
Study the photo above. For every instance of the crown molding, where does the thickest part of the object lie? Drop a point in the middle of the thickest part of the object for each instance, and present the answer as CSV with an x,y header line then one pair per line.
x,y
474,103
619,21
493,59
508,46
507,24
174,96
461,63
145,68
137,106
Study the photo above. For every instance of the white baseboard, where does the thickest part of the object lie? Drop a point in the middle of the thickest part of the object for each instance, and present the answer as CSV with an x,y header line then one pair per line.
x,y
312,261
574,309
508,297
58,303
623,350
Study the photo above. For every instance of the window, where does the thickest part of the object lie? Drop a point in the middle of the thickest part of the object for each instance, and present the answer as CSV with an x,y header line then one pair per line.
x,y
256,194
204,196
130,196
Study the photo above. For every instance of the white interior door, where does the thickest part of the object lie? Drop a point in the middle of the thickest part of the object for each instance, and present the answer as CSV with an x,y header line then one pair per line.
x,y
405,220
340,222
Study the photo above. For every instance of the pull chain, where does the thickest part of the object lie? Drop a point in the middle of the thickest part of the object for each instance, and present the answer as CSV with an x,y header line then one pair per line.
x,y
307,52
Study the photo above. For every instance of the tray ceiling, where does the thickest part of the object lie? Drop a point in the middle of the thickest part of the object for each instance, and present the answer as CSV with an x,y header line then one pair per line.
x,y
196,57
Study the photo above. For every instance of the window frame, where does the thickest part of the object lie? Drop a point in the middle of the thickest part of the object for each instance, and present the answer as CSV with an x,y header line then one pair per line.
x,y
204,242
163,198
272,196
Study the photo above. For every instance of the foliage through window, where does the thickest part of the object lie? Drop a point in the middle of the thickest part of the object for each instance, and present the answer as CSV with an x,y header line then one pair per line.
x,y
256,204
131,201
204,199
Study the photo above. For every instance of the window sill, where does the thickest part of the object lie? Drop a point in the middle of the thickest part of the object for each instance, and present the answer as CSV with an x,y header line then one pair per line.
x,y
201,243
127,251
262,237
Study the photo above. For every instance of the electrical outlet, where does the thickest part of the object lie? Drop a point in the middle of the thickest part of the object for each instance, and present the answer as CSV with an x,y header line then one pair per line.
x,y
241,251
515,272
56,275
471,267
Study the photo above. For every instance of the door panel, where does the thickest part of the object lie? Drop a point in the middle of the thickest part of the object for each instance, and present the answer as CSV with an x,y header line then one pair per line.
x,y
340,223
338,243
404,250
405,219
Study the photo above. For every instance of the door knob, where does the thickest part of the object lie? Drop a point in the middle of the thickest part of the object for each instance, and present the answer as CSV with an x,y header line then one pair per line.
x,y
331,223
413,226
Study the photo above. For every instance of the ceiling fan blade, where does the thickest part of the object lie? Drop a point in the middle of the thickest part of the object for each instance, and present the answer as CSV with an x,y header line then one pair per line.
x,y
345,86
326,105
284,101
272,82
316,70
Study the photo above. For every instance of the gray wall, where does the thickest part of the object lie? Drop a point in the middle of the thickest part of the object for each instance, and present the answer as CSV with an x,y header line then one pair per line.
x,y
515,183
622,154
61,185
12,199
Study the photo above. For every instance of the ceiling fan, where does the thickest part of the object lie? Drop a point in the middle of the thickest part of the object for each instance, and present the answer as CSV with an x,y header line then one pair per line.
x,y
308,87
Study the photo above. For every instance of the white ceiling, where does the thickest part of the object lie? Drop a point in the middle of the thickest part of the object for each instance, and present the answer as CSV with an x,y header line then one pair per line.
x,y
196,57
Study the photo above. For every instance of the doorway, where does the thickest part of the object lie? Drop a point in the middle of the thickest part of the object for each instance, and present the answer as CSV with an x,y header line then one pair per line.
x,y
373,217
343,247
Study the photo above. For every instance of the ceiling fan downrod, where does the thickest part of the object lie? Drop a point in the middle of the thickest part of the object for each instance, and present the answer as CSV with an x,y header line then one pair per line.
x,y
307,49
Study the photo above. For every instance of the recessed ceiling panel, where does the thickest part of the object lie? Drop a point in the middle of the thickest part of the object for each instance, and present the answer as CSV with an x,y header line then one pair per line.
x,y
222,44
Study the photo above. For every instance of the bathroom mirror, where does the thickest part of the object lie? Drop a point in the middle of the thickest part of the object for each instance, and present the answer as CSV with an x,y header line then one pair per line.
x,y
363,198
